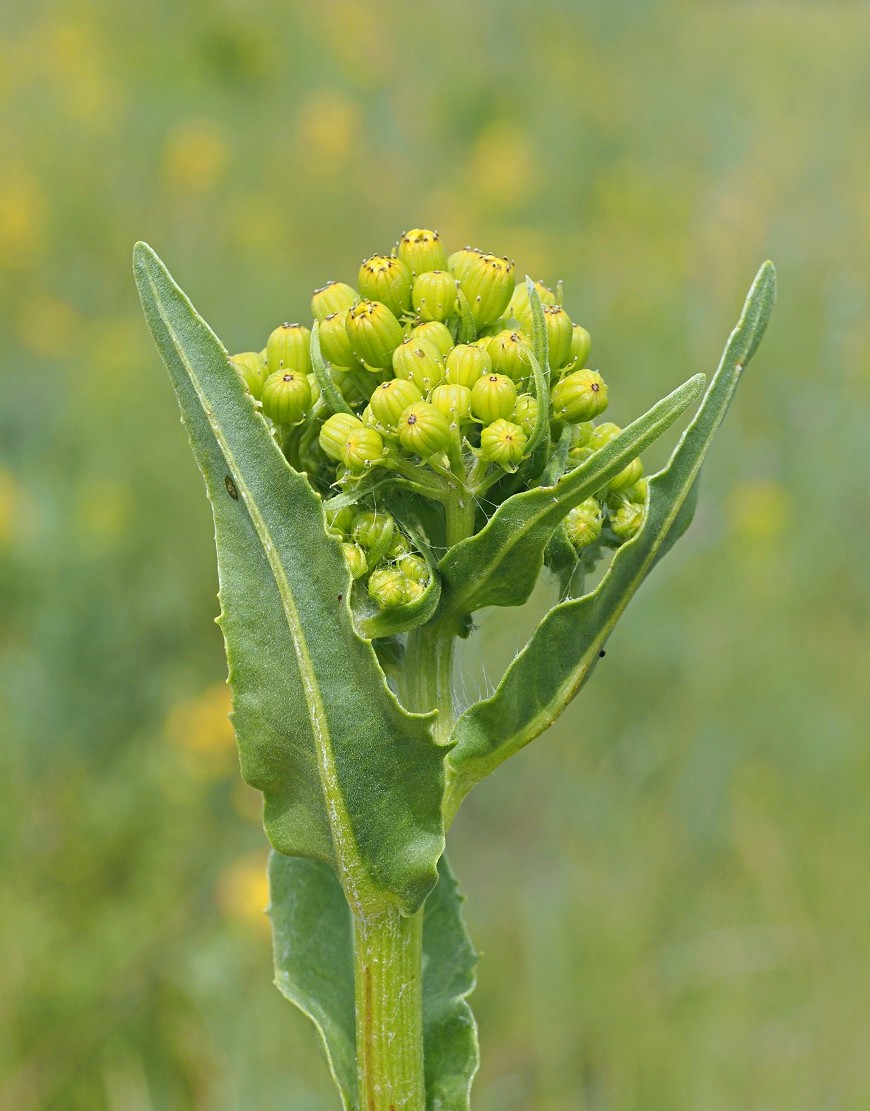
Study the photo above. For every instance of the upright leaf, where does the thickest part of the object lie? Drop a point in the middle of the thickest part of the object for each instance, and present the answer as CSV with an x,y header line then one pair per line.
x,y
565,647
348,776
313,951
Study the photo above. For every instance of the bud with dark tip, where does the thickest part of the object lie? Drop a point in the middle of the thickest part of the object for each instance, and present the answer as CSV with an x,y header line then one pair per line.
x,y
332,298
559,334
286,396
435,332
289,348
391,398
363,447
424,430
421,250
251,368
335,345
509,352
583,524
487,281
466,363
579,396
355,558
626,521
503,442
454,400
419,361
525,413
374,333
388,280
434,295
335,431
493,397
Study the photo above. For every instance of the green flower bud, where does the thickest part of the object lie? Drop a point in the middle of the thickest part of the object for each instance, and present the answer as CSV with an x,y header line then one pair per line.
x,y
493,397
388,280
335,431
519,307
251,368
424,430
367,416
419,361
460,262
335,345
340,520
503,442
509,352
398,547
435,332
391,398
583,524
315,388
559,334
581,433
466,363
626,521
286,396
579,396
434,295
363,447
602,434
421,250
581,345
388,588
627,477
414,590
525,413
454,400
334,297
414,568
639,492
355,558
374,530
289,348
374,332
487,281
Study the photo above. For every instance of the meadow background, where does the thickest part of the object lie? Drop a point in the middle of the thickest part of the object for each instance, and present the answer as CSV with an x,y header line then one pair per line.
x,y
672,889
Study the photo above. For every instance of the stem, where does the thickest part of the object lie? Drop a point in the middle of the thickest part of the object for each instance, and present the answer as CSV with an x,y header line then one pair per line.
x,y
388,956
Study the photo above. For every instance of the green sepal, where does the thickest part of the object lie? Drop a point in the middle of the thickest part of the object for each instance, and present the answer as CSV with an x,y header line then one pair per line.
x,y
313,952
499,566
349,777
329,392
565,647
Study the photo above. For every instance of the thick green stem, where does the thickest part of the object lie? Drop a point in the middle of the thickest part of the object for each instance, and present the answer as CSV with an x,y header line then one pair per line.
x,y
388,956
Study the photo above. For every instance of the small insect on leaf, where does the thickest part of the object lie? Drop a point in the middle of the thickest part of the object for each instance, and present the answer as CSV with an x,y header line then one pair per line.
x,y
232,489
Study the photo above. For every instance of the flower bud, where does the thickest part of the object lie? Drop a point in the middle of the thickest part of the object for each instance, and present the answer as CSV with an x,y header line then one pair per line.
x,y
391,398
626,521
421,250
509,352
398,547
602,434
340,520
454,400
525,413
559,334
286,396
581,345
583,524
388,280
363,447
289,348
627,477
374,530
424,430
434,295
581,434
315,388
519,307
414,568
419,361
374,332
435,332
335,431
493,397
639,492
503,442
332,298
487,281
251,368
466,363
355,558
335,345
579,396
460,262
388,588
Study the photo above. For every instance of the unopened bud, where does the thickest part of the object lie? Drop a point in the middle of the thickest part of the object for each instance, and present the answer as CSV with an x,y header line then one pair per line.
x,y
388,280
519,307
493,397
419,361
373,530
389,588
391,398
414,568
626,521
424,430
583,524
422,250
355,558
454,400
639,492
602,434
487,281
286,396
434,295
503,442
335,345
363,447
315,388
333,297
435,332
374,333
252,370
509,352
398,547
460,262
579,396
525,413
289,348
335,431
627,477
581,345
559,333
339,520
466,363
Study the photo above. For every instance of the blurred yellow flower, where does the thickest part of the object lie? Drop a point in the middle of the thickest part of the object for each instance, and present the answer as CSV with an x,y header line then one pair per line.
x,y
48,326
22,218
242,892
10,504
195,157
200,730
330,125
502,168
759,510
102,512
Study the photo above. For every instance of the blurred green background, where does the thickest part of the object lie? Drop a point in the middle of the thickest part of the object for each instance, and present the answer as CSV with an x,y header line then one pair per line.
x,y
672,889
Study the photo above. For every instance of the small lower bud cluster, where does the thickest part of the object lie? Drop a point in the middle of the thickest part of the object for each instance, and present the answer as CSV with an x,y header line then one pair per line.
x,y
379,555
429,356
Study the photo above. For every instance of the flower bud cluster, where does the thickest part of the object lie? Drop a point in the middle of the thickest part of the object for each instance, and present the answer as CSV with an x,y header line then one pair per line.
x,y
379,555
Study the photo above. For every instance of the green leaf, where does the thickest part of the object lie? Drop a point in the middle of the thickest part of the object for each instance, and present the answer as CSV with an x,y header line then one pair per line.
x,y
348,776
565,647
313,952
500,565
